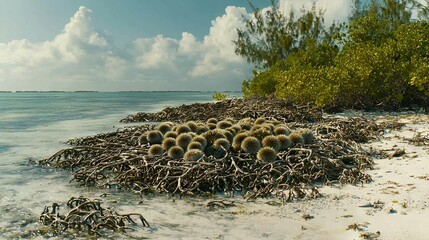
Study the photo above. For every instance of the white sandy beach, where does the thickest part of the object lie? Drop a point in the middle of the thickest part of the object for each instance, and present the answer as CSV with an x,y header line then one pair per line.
x,y
394,206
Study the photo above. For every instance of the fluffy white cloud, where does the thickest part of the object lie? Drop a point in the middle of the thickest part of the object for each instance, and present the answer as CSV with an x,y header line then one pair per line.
x,y
208,64
80,58
68,62
337,10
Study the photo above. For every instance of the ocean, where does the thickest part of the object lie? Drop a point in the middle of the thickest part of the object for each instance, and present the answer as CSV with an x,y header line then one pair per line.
x,y
35,125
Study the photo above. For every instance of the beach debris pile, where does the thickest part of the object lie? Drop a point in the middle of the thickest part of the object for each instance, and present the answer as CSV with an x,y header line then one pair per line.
x,y
86,215
254,108
253,158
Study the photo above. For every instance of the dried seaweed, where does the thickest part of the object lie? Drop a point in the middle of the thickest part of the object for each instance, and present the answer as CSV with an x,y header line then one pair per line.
x,y
116,160
279,109
88,216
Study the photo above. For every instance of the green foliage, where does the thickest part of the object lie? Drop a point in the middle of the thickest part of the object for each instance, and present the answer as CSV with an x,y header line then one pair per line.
x,y
379,59
218,96
263,83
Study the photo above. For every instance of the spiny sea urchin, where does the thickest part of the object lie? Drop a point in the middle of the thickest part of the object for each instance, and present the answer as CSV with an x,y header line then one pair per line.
x,y
154,137
296,139
193,155
164,127
175,152
155,150
170,134
260,120
168,143
193,126
285,143
195,145
183,140
143,139
212,120
238,139
212,135
223,124
272,142
308,136
222,144
282,130
183,129
250,145
266,154
201,140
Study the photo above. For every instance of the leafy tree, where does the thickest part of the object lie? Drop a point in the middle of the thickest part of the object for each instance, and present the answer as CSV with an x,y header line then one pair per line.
x,y
270,37
379,59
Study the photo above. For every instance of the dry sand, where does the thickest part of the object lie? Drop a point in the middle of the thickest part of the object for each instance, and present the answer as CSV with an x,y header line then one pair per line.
x,y
394,206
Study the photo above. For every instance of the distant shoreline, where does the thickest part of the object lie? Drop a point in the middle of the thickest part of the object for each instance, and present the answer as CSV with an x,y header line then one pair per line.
x,y
81,91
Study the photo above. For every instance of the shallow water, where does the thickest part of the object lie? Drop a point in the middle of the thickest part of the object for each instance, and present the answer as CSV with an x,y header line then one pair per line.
x,y
35,125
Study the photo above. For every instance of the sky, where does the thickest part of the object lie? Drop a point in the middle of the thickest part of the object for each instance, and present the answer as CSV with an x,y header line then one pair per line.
x,y
138,45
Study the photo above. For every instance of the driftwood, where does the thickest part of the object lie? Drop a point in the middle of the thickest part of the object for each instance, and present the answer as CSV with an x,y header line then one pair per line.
x,y
119,160
88,216
279,109
116,160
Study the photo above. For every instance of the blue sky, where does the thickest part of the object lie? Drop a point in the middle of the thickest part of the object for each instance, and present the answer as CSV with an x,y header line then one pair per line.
x,y
121,21
110,45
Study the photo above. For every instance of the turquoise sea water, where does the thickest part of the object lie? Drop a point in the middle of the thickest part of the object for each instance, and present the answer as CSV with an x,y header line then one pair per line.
x,y
34,125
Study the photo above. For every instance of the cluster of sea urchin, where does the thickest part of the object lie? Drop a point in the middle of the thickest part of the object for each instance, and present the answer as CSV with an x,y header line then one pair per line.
x,y
192,141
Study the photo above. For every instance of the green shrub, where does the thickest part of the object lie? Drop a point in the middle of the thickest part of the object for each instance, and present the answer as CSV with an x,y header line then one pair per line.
x,y
219,96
